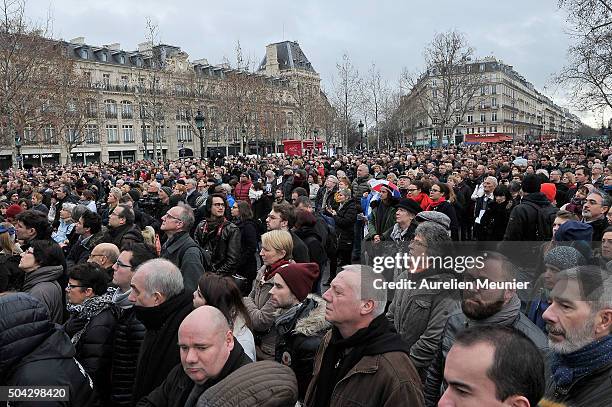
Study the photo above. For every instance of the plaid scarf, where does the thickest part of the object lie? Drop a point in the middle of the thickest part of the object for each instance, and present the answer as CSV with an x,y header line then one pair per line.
x,y
89,309
568,368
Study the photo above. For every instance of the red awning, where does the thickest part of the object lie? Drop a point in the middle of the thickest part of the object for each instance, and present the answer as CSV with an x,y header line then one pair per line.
x,y
487,138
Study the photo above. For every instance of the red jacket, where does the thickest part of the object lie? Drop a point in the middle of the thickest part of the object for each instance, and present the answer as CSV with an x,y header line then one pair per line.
x,y
241,192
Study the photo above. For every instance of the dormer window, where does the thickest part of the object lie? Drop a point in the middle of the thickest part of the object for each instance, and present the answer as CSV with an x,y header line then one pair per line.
x,y
139,62
122,59
84,54
103,57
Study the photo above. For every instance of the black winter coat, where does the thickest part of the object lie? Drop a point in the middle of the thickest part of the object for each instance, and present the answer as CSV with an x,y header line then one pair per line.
x,y
592,390
159,351
247,266
38,352
313,241
94,349
223,247
300,250
523,222
449,210
345,219
121,235
129,334
495,220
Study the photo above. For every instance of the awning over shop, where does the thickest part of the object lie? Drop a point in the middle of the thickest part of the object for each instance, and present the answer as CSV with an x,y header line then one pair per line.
x,y
487,138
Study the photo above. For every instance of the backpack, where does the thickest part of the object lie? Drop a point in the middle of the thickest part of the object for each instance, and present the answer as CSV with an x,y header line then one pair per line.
x,y
546,218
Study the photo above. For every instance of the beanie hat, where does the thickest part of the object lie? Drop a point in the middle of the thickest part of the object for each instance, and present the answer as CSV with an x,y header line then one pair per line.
x,y
564,257
531,183
435,217
550,190
167,190
410,205
299,277
572,230
13,210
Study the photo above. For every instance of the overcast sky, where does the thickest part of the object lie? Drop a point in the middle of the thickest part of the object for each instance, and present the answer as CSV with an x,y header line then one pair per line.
x,y
528,34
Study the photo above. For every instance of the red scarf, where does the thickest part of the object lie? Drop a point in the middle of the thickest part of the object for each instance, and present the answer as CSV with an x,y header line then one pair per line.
x,y
423,200
432,205
271,269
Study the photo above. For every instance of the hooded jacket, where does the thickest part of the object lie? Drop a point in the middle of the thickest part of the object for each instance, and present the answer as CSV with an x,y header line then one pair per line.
x,y
43,284
523,221
36,352
261,384
298,339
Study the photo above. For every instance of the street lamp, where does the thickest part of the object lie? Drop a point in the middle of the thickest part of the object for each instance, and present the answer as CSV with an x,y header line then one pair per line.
x,y
431,137
199,122
360,125
244,140
18,157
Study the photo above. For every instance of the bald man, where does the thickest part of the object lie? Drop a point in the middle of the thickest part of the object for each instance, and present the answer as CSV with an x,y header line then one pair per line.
x,y
208,353
105,255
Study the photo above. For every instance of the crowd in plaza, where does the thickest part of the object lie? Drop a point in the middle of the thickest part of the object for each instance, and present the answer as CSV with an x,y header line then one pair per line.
x,y
241,281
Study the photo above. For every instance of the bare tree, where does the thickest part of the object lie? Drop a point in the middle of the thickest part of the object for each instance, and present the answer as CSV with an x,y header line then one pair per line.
x,y
447,89
347,88
376,92
588,74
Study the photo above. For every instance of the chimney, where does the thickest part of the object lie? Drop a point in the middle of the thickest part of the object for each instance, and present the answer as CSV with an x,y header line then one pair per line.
x,y
115,46
78,40
272,67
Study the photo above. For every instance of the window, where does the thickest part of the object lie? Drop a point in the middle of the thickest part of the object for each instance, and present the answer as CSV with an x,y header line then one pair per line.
x,y
49,135
72,135
482,67
104,57
482,104
483,90
71,106
91,134
84,54
112,136
494,116
470,118
483,117
29,135
106,81
494,102
493,89
122,59
126,109
110,109
91,109
124,82
146,133
183,133
87,78
128,133
159,134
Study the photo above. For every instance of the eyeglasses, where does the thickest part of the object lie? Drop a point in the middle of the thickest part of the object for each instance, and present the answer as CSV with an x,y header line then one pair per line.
x,y
173,217
71,286
434,190
122,264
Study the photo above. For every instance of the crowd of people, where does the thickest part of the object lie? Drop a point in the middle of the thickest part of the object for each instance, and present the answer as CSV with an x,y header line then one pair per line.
x,y
239,281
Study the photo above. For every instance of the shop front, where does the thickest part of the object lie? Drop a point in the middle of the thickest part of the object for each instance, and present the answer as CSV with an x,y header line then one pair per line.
x,y
487,138
85,157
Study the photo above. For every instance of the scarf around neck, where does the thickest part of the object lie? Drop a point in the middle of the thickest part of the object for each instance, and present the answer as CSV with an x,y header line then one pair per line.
x,y
273,268
570,367
89,309
434,204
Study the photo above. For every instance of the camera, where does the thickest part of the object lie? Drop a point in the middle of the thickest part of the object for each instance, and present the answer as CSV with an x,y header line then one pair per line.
x,y
150,204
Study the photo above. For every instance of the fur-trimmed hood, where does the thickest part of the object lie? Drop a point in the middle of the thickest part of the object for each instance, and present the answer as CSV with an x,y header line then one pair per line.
x,y
314,323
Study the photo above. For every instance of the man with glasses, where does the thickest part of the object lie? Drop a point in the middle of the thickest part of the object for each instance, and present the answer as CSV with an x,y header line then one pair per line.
x,y
104,255
594,212
121,228
180,248
129,331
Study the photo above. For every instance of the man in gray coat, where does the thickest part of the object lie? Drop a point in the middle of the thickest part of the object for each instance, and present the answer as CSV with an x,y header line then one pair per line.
x,y
180,248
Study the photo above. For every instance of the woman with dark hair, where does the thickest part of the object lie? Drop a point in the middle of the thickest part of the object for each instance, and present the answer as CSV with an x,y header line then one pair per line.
x,y
222,293
247,265
43,265
419,191
440,194
495,219
382,217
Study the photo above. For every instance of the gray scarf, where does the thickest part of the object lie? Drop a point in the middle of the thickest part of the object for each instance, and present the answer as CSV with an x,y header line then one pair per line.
x,y
89,309
506,316
397,233
120,298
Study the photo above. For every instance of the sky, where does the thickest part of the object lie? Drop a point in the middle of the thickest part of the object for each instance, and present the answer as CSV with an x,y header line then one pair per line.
x,y
531,35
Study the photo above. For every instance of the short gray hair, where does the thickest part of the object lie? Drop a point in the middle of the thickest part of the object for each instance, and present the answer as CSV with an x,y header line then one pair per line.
x,y
595,286
366,289
161,276
605,198
491,179
68,207
192,181
186,216
433,234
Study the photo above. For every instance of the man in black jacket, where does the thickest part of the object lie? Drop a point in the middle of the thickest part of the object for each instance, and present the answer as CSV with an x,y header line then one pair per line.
x,y
129,332
121,228
594,213
161,304
88,228
579,322
282,217
38,352
180,248
209,353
